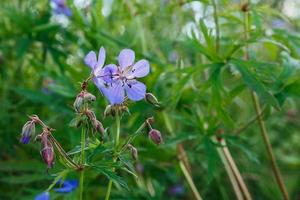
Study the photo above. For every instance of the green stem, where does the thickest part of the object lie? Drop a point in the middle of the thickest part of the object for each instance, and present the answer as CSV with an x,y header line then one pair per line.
x,y
117,137
82,162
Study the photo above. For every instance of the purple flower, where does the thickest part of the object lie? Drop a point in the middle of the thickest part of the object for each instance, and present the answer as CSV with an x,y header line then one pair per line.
x,y
176,190
121,79
60,7
67,186
42,196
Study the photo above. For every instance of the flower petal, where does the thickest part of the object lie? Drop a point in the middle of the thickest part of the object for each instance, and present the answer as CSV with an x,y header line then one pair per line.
x,y
113,92
43,196
126,58
90,59
100,62
135,90
108,73
140,68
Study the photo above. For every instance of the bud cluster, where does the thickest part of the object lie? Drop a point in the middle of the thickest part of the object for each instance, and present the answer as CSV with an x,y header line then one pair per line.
x,y
81,106
28,131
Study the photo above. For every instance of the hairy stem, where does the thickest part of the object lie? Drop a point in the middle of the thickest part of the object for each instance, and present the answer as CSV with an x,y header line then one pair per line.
x,y
82,162
116,140
262,126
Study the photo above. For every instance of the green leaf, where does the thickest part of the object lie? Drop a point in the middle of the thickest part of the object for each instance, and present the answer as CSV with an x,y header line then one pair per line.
x,y
253,83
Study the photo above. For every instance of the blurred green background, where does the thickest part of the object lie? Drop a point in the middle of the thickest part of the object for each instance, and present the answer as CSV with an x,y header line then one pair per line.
x,y
41,67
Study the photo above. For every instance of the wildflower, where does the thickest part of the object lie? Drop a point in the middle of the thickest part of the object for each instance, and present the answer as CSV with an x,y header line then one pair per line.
x,y
122,78
176,190
67,186
28,131
60,8
43,196
155,136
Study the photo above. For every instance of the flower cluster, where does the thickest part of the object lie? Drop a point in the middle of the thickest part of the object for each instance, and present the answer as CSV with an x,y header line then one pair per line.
x,y
117,81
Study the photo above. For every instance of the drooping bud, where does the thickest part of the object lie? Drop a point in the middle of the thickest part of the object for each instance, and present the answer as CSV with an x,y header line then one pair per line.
x,y
47,151
78,103
99,128
134,152
155,136
150,98
28,131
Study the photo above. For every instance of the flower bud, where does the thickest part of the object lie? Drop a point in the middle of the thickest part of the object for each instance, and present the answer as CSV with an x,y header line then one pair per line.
x,y
155,136
99,128
28,131
47,151
150,98
134,152
78,103
88,97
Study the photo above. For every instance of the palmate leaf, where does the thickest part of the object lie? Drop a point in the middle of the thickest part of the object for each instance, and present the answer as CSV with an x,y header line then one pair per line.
x,y
253,83
111,175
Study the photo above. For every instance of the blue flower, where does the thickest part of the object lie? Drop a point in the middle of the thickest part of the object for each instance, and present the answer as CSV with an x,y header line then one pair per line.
x,y
60,7
43,196
67,186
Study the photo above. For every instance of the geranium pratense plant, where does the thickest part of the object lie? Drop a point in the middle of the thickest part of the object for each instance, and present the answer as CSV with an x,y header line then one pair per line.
x,y
113,81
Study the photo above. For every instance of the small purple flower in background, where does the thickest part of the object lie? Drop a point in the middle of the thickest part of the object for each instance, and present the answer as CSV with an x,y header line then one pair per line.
x,y
60,7
43,196
67,186
176,190
122,78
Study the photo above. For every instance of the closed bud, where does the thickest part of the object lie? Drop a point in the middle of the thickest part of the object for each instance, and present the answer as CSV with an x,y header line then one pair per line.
x,y
78,103
150,98
134,152
47,151
91,115
88,97
28,131
155,136
99,128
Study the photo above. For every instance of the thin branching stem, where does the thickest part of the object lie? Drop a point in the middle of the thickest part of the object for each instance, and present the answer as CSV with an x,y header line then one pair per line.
x,y
261,123
183,166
